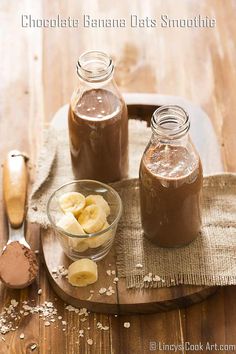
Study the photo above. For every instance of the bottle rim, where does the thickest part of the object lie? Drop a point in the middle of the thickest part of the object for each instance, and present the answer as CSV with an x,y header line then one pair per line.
x,y
94,66
170,122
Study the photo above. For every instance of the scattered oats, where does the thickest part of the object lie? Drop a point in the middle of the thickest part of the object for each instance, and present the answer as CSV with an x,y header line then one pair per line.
x,y
110,291
108,272
64,273
113,272
54,270
36,251
156,278
83,319
90,341
63,329
27,308
47,323
26,313
4,340
91,291
64,323
116,279
81,333
163,280
172,280
40,291
83,311
14,303
127,324
101,327
22,336
147,278
116,315
88,328
102,291
70,308
109,264
139,265
59,317
33,346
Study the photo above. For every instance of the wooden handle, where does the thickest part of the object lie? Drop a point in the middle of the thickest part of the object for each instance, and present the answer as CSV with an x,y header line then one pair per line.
x,y
15,178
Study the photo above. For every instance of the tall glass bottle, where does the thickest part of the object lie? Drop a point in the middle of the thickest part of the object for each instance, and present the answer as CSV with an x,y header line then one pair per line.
x,y
98,122
170,181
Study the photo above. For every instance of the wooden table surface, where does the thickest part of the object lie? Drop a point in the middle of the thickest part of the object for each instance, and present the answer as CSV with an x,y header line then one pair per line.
x,y
38,76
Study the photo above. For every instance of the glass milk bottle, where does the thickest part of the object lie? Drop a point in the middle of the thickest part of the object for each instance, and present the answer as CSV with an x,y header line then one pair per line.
x,y
170,181
98,122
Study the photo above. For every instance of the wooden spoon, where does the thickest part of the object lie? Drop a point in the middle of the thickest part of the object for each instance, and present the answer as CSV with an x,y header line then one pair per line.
x,y
18,263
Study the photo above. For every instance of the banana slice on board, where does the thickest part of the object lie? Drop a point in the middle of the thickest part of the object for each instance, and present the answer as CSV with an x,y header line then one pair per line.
x,y
100,201
94,242
72,202
82,272
92,218
70,224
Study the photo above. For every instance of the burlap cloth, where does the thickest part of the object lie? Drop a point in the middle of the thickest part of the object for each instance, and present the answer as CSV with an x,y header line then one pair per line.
x,y
209,260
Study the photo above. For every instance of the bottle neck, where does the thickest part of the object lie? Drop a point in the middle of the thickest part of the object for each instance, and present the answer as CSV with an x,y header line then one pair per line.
x,y
95,67
170,125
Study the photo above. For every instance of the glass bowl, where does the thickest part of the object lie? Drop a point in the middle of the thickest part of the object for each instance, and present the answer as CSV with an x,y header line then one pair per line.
x,y
95,245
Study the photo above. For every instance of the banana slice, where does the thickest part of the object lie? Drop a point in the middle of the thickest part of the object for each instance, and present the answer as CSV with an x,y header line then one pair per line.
x,y
78,245
69,224
82,272
98,200
94,242
92,218
72,202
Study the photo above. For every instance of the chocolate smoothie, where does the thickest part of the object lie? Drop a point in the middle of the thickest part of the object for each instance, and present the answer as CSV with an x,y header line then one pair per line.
x,y
98,129
170,189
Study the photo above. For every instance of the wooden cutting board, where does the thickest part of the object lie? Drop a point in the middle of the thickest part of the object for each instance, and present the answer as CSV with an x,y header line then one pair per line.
x,y
123,301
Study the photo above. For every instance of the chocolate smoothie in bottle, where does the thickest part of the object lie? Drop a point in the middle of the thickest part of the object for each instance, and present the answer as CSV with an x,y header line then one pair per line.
x,y
170,181
98,122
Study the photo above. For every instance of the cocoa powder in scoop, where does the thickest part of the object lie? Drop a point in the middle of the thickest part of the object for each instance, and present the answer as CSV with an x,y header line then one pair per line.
x,y
18,265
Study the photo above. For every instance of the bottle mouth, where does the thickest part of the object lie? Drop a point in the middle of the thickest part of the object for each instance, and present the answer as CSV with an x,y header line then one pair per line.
x,y
94,66
170,122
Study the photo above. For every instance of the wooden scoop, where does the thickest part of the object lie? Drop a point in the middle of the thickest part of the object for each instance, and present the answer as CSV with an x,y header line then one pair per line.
x,y
18,263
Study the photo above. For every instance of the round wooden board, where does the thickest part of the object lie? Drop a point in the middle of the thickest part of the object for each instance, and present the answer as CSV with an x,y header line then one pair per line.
x,y
124,300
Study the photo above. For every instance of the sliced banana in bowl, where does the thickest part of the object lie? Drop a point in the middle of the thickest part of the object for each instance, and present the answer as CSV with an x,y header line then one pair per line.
x,y
78,245
97,241
72,202
70,224
99,201
92,218
81,216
